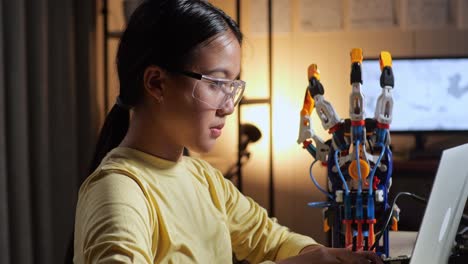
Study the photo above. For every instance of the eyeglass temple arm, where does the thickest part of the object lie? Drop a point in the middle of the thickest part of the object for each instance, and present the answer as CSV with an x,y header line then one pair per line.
x,y
192,74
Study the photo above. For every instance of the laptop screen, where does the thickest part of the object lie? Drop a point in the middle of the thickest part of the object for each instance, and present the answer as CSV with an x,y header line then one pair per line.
x,y
444,209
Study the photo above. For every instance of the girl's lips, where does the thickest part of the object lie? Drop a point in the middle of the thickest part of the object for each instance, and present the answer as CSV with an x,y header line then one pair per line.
x,y
215,132
218,126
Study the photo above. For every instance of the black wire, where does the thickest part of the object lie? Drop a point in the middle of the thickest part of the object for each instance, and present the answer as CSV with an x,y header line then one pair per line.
x,y
417,197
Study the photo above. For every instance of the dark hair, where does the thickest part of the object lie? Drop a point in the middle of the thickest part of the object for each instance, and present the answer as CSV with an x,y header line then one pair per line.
x,y
162,33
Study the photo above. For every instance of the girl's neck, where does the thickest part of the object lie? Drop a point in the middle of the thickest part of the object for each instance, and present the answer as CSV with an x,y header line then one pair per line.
x,y
144,135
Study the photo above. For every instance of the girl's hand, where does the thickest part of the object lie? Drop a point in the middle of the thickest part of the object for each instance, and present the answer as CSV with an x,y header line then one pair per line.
x,y
325,255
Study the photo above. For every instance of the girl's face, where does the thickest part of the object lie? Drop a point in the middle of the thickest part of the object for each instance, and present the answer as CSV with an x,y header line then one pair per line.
x,y
188,120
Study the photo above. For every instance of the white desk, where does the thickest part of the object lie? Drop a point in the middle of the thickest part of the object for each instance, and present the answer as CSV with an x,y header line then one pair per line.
x,y
402,243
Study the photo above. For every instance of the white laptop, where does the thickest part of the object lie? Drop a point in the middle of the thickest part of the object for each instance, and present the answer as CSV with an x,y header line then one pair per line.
x,y
444,209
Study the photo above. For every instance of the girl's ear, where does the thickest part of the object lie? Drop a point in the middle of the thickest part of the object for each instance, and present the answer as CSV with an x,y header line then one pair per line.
x,y
154,79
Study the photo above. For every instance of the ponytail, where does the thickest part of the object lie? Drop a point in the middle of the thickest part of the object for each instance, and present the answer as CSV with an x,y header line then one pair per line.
x,y
112,133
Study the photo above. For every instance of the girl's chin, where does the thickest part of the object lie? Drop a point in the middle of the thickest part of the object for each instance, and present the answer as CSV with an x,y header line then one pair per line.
x,y
204,147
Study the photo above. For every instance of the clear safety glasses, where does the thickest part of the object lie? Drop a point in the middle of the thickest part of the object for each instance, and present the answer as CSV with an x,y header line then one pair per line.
x,y
216,92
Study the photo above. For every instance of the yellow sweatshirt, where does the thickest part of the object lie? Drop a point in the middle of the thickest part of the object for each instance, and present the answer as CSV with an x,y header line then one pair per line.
x,y
137,208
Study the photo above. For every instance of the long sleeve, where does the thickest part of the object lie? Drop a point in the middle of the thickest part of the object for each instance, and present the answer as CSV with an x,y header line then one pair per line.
x,y
254,235
113,222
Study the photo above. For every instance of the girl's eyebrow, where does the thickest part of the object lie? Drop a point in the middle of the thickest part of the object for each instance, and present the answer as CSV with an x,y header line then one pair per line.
x,y
223,71
216,70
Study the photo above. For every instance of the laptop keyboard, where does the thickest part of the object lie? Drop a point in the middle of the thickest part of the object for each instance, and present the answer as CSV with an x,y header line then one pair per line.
x,y
397,260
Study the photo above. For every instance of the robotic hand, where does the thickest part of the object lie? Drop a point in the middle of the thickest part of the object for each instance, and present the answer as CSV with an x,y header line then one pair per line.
x,y
358,158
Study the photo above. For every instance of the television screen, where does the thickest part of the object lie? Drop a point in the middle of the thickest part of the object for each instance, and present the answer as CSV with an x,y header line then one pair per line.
x,y
429,94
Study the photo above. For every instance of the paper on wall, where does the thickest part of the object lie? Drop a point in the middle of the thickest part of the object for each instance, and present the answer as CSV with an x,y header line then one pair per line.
x,y
321,15
426,14
371,14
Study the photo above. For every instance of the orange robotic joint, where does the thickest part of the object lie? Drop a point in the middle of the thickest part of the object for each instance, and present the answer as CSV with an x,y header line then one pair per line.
x,y
394,224
313,71
356,55
385,59
353,171
371,235
326,226
359,238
